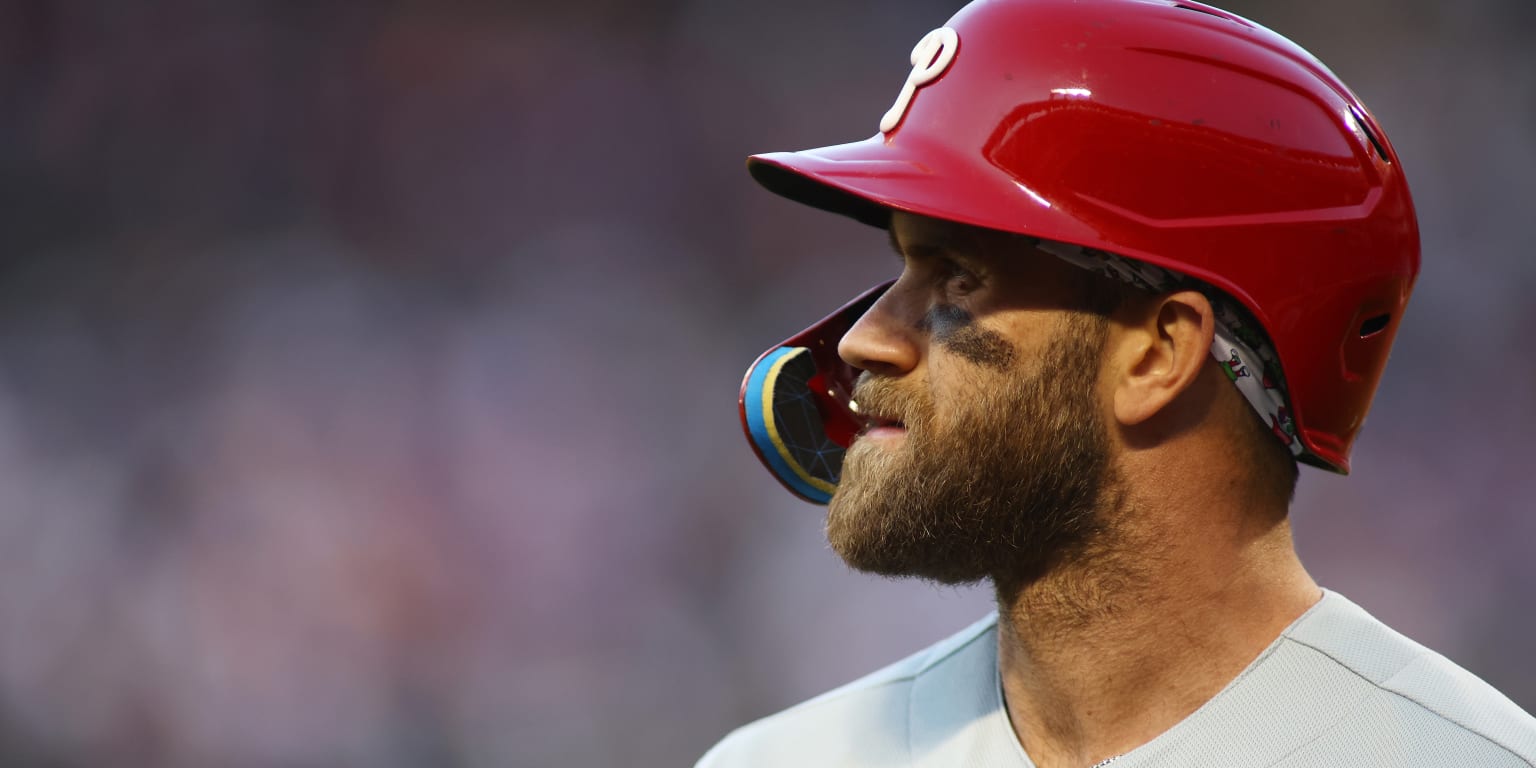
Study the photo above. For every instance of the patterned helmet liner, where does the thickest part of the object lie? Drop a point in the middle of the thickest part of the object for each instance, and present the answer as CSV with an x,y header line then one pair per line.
x,y
1240,346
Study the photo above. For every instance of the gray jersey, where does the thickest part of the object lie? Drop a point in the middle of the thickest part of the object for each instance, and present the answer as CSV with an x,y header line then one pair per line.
x,y
1338,688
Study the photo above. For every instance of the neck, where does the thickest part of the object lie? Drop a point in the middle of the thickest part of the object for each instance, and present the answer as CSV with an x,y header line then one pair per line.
x,y
1107,651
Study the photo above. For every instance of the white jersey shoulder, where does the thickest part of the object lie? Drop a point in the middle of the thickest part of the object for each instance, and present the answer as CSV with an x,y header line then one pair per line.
x,y
1402,703
1338,688
875,720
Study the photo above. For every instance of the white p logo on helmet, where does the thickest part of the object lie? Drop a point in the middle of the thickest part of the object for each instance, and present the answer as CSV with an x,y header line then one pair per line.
x,y
929,60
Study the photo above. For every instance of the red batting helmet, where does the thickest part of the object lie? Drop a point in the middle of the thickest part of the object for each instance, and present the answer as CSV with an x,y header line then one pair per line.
x,y
1168,132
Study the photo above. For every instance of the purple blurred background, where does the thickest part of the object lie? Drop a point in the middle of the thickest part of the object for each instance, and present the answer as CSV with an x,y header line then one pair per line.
x,y
367,372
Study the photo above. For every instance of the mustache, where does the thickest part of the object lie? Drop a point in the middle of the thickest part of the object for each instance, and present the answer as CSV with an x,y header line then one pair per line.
x,y
883,399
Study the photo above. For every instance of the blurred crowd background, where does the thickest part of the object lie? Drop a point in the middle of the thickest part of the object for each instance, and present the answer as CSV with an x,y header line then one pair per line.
x,y
368,372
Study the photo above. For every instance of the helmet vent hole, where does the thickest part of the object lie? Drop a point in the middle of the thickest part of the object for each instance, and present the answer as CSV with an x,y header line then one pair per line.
x,y
1374,325
1365,126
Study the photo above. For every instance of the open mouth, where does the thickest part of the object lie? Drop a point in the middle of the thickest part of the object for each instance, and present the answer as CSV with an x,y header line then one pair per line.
x,y
873,422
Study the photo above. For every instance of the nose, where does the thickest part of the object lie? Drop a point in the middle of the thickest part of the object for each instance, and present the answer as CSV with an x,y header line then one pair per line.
x,y
883,341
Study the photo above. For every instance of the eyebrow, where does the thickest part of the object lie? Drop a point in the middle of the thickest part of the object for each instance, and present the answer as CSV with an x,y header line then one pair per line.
x,y
933,245
928,244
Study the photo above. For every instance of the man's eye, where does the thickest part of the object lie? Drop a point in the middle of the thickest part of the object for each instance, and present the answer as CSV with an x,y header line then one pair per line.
x,y
958,279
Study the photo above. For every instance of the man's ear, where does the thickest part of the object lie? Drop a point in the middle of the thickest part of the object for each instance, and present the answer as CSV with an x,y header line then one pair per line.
x,y
1161,346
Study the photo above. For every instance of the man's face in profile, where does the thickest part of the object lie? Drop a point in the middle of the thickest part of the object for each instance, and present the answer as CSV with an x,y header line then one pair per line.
x,y
986,454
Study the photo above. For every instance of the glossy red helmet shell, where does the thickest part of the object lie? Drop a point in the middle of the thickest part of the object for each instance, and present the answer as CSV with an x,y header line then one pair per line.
x,y
1174,133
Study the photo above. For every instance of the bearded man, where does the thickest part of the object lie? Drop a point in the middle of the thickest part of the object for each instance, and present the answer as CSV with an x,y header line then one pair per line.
x,y
1153,257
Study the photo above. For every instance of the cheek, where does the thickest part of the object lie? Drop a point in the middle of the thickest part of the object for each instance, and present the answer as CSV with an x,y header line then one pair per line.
x,y
959,388
963,387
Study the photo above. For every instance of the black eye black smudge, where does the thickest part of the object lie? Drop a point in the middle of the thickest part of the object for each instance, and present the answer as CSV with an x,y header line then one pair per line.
x,y
956,330
944,320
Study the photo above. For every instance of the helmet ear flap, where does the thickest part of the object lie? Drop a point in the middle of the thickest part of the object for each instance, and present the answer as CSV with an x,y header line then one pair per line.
x,y
794,404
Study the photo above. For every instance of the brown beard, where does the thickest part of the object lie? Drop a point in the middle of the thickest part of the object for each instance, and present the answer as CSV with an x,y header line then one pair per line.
x,y
1006,490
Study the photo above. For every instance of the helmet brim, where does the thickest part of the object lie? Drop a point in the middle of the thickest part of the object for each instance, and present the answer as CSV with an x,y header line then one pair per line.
x,y
867,180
